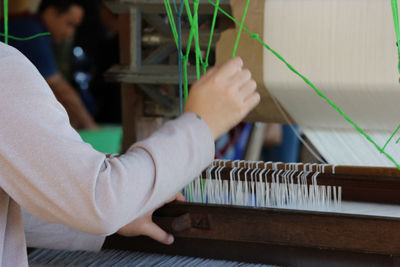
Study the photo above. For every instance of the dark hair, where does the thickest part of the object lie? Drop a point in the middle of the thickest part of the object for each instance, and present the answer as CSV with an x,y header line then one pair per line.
x,y
61,5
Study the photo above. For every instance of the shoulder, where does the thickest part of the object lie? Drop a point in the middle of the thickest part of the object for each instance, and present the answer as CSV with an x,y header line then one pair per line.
x,y
7,51
10,57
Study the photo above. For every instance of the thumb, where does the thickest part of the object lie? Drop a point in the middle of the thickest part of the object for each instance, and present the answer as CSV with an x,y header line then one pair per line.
x,y
155,232
177,197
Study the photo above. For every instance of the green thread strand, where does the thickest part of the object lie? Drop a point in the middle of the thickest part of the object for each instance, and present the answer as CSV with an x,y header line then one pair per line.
x,y
7,36
193,20
185,80
211,35
395,12
196,38
203,190
190,192
319,93
229,16
177,33
26,38
191,33
240,28
5,7
188,48
185,63
391,137
180,56
171,21
180,11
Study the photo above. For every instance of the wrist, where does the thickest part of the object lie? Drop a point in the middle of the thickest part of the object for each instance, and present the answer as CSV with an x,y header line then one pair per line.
x,y
207,121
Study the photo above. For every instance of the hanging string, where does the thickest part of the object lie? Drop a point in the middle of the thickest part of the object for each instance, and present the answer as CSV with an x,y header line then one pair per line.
x,y
188,48
195,24
296,132
194,34
7,36
25,38
395,12
5,7
180,58
240,28
211,35
391,137
171,21
177,33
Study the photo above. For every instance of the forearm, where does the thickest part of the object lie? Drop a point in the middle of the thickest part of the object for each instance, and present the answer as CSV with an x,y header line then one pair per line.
x,y
58,178
40,234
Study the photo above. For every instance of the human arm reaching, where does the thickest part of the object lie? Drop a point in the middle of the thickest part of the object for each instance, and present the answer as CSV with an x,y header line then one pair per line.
x,y
47,168
222,98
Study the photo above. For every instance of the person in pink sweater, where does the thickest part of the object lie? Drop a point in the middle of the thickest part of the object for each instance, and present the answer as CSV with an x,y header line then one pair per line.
x,y
48,170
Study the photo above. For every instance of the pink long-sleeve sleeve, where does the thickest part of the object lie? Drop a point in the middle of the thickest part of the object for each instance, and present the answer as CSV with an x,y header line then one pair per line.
x,y
46,168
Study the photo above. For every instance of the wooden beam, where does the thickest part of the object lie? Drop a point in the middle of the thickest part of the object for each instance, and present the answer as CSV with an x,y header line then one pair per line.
x,y
273,236
157,6
131,99
148,74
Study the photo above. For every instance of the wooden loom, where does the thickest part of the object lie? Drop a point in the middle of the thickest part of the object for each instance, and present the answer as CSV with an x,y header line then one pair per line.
x,y
288,237
282,236
273,235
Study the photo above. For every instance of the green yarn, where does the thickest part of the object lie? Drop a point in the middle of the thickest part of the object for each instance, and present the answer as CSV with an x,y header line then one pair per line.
x,y
211,35
395,12
24,38
5,7
240,28
7,36
391,137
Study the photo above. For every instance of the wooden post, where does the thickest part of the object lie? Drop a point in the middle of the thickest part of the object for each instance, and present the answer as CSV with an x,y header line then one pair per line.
x,y
130,55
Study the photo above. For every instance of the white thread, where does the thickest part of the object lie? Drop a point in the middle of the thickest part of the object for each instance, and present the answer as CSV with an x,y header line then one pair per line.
x,y
288,187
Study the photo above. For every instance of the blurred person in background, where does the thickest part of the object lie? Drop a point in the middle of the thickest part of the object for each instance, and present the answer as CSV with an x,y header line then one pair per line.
x,y
96,49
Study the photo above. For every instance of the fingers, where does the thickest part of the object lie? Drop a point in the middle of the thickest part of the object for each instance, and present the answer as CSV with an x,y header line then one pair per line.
x,y
177,197
248,89
153,231
231,67
241,78
180,197
252,101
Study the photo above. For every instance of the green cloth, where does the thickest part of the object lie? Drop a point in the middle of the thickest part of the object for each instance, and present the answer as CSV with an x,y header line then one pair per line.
x,y
107,139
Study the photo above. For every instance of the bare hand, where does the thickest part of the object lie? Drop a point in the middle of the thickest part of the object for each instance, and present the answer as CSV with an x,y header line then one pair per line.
x,y
145,226
223,96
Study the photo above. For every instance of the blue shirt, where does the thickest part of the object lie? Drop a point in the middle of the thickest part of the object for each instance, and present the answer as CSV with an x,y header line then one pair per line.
x,y
38,50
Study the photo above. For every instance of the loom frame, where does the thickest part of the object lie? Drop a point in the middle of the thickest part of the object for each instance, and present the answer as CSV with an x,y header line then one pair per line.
x,y
313,237
276,236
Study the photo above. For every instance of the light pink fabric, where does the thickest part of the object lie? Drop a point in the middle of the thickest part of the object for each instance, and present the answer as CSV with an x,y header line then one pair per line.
x,y
47,169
